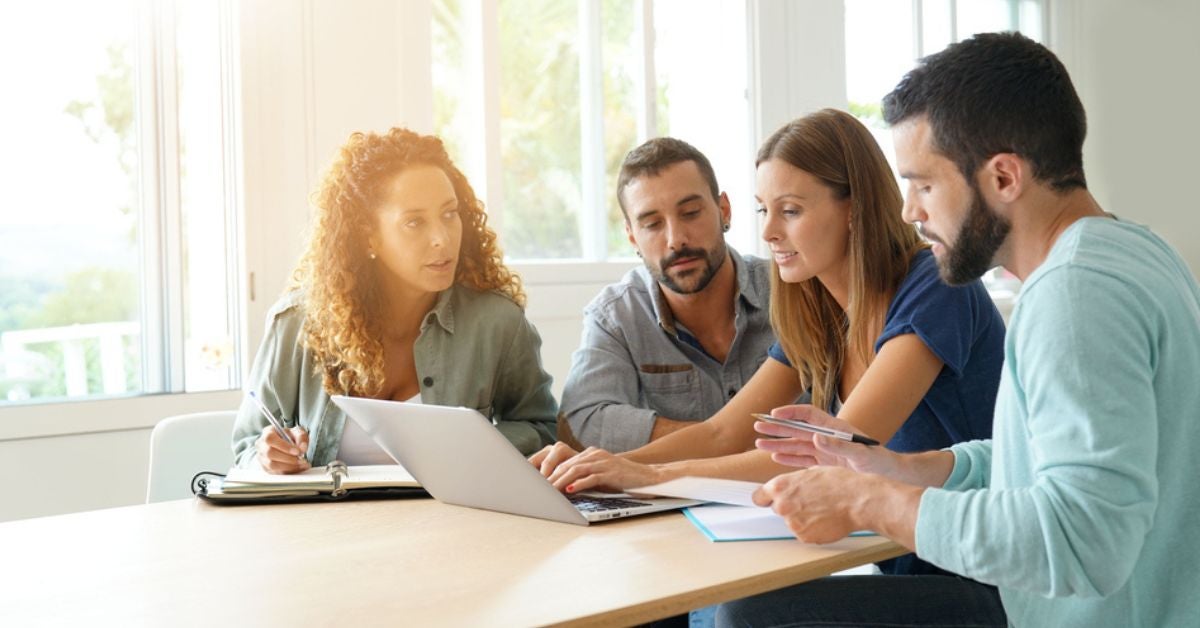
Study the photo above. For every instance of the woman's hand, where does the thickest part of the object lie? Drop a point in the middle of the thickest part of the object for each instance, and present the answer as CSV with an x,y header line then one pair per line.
x,y
548,459
276,455
592,469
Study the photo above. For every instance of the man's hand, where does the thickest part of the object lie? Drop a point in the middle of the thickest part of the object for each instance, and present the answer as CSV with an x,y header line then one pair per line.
x,y
825,504
799,448
816,503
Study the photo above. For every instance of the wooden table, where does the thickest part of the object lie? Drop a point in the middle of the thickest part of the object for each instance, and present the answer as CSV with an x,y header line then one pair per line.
x,y
406,562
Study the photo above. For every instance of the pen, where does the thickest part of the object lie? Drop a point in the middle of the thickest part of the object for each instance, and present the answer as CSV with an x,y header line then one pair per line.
x,y
816,429
275,423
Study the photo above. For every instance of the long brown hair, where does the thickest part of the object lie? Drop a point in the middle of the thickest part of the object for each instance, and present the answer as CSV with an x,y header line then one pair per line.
x,y
813,330
343,289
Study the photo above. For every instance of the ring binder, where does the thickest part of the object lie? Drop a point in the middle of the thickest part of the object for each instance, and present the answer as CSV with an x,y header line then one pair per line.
x,y
201,480
335,482
337,473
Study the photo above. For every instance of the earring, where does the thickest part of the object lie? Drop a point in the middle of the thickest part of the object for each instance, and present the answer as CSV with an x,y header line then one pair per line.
x,y
371,255
725,227
639,253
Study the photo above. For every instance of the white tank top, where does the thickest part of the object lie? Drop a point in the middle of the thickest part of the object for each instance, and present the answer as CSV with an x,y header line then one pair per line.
x,y
357,448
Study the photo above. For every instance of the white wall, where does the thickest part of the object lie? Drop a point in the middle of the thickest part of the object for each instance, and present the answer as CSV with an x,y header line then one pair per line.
x,y
58,463
62,474
1133,65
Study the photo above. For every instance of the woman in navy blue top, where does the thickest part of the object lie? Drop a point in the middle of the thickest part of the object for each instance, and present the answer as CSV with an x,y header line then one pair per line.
x,y
863,320
961,326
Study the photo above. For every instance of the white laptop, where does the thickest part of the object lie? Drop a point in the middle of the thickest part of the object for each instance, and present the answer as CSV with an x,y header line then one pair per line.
x,y
461,458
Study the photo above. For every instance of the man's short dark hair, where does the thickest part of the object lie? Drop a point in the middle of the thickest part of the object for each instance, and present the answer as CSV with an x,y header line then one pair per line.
x,y
656,154
997,93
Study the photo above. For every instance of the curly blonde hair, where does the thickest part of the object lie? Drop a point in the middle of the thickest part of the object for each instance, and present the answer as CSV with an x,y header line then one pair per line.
x,y
342,289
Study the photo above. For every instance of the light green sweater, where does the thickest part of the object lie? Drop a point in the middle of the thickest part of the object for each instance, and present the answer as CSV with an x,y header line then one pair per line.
x,y
1085,507
476,349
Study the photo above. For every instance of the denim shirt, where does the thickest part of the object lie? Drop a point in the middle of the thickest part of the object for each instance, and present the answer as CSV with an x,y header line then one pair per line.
x,y
635,362
475,349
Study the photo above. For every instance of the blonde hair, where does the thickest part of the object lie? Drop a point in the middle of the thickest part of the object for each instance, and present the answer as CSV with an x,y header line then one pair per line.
x,y
342,288
812,328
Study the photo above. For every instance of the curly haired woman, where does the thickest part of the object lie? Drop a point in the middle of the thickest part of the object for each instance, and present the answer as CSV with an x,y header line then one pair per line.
x,y
403,295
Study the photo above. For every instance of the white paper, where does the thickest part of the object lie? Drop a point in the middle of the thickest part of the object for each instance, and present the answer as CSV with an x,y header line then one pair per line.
x,y
735,492
378,475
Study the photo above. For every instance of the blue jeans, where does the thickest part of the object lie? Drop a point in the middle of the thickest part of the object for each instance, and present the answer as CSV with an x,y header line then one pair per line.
x,y
870,601
703,617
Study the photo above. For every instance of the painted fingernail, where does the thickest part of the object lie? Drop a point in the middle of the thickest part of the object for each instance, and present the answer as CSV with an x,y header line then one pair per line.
x,y
570,488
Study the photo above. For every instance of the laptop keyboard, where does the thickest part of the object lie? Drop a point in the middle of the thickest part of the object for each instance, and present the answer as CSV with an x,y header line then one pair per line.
x,y
590,503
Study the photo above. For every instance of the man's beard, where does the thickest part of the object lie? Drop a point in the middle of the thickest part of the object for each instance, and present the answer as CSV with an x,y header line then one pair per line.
x,y
974,252
696,279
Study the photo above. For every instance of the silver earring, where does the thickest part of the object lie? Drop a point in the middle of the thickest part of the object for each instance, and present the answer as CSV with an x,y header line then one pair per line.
x,y
725,227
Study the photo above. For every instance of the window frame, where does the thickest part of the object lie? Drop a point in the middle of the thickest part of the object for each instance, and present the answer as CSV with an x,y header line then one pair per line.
x,y
796,63
483,165
161,241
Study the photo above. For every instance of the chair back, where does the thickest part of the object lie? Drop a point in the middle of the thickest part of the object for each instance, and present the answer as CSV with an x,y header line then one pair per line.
x,y
182,446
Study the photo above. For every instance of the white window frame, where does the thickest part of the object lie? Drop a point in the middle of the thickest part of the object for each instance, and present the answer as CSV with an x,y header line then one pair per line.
x,y
1014,21
1003,292
483,165
161,242
796,65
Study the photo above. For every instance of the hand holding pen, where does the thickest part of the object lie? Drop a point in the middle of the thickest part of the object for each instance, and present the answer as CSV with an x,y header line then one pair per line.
x,y
795,442
797,446
278,449
816,429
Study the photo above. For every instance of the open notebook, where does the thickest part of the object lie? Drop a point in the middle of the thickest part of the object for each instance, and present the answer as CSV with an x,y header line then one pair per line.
x,y
732,514
333,481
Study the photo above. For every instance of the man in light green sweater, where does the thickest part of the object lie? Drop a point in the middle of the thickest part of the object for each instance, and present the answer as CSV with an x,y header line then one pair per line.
x,y
1082,509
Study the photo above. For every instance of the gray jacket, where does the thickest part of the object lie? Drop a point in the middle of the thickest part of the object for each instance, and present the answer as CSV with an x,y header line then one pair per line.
x,y
476,349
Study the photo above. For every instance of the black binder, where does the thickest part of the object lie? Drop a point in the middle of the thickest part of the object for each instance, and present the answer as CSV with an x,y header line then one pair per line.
x,y
337,483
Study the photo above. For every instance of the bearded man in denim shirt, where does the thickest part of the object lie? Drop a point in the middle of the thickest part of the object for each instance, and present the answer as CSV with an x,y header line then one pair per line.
x,y
675,339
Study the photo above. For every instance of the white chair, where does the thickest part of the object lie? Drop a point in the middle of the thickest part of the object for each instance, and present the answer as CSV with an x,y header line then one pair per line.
x,y
182,446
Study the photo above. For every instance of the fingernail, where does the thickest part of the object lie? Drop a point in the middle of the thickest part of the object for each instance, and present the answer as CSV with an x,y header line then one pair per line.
x,y
570,488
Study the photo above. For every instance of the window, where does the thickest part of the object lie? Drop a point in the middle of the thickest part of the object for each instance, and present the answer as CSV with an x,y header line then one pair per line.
x,y
540,100
878,54
116,252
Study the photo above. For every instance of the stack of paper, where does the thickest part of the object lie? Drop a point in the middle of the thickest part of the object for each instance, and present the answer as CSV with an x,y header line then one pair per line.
x,y
721,522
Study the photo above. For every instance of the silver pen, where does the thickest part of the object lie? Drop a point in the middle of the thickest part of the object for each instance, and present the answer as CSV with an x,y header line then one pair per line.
x,y
275,423
816,429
